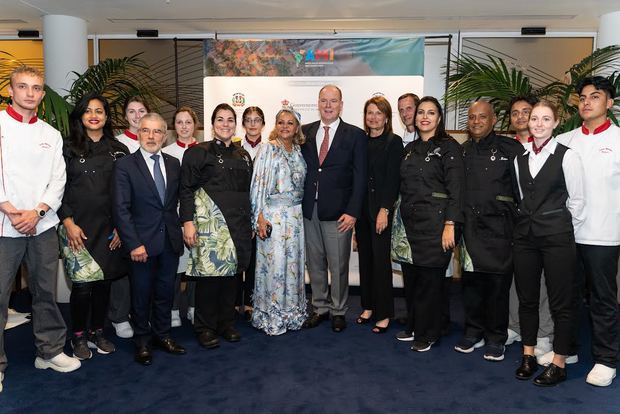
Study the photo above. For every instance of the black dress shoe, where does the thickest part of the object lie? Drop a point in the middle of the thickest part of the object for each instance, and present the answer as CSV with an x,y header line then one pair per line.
x,y
231,335
338,323
528,367
168,345
315,320
551,376
208,339
143,355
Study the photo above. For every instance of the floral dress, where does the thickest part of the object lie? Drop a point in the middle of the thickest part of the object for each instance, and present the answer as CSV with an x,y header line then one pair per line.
x,y
276,192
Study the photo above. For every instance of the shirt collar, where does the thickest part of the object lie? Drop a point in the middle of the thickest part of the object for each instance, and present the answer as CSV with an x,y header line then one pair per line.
x,y
13,114
253,144
184,145
550,147
131,135
332,127
598,129
147,155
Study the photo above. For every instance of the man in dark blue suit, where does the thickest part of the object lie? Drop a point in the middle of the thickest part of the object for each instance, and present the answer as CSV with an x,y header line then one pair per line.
x,y
335,153
146,185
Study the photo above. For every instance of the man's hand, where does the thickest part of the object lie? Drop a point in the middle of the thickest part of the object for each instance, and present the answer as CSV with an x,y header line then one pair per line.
x,y
346,223
26,222
139,254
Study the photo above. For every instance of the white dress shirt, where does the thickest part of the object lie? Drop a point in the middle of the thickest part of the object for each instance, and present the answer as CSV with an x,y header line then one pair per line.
x,y
409,136
573,177
320,134
150,163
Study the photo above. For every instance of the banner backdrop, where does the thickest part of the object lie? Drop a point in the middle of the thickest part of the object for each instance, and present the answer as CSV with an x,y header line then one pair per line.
x,y
272,73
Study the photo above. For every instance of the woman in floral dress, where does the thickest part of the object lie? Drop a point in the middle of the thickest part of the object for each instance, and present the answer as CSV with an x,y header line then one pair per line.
x,y
276,193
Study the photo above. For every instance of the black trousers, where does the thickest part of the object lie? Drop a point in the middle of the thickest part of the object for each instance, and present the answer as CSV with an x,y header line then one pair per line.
x,y
152,292
89,305
215,304
598,265
426,314
556,255
409,286
375,267
485,299
245,281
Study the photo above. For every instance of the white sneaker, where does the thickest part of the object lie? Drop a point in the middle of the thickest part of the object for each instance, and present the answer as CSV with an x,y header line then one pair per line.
x,y
123,329
547,358
60,363
190,314
1,378
601,376
175,321
512,337
543,345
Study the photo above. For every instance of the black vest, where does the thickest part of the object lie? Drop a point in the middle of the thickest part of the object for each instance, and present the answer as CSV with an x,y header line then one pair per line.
x,y
543,209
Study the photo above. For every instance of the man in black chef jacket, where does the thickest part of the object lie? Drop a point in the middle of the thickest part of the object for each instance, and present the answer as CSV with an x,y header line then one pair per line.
x,y
489,216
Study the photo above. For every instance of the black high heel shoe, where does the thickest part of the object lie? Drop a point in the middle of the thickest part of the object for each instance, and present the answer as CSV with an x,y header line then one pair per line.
x,y
361,320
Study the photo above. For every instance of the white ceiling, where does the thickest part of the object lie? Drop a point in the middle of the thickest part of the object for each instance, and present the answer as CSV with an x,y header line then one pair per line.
x,y
309,16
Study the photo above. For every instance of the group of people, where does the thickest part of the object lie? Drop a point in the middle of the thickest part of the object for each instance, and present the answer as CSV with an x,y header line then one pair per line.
x,y
243,222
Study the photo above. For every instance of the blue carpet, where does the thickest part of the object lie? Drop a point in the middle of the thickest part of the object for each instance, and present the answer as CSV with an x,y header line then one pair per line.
x,y
314,371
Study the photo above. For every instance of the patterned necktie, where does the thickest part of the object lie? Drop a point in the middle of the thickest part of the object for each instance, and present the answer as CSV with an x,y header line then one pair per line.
x,y
159,178
324,146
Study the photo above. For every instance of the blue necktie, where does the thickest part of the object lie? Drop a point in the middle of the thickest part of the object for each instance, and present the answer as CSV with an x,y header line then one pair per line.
x,y
159,178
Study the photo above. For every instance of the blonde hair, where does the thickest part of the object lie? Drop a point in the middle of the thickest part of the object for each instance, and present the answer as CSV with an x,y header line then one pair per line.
x,y
299,137
29,70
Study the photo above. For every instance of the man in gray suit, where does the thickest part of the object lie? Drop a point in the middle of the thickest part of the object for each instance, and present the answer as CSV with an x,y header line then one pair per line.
x,y
335,154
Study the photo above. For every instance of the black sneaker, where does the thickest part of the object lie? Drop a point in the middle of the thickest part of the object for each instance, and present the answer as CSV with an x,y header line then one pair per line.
x,y
467,345
404,336
421,346
494,352
97,341
80,348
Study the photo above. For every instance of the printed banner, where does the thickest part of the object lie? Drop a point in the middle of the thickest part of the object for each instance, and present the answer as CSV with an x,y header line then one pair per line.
x,y
272,73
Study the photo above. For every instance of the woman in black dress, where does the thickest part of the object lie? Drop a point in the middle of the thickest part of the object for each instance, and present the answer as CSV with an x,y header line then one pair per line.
x,y
215,212
431,189
89,241
373,229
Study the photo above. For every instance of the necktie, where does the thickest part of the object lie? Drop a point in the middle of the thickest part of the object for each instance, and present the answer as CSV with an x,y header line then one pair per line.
x,y
159,178
324,146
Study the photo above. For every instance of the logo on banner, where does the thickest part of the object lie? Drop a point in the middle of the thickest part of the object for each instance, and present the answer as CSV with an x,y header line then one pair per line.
x,y
238,99
313,57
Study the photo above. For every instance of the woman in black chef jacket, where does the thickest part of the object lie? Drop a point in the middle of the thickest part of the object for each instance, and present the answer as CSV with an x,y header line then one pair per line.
x,y
373,229
89,241
215,212
431,189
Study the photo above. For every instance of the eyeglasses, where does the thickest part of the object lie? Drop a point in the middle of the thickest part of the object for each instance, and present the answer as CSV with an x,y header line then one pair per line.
x,y
253,120
156,132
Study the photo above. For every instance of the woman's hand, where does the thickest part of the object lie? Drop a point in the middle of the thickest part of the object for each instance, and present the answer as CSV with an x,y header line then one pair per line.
x,y
190,236
262,226
75,235
382,220
116,241
447,238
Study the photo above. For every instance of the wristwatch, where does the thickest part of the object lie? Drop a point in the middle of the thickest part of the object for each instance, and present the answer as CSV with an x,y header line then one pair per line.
x,y
40,212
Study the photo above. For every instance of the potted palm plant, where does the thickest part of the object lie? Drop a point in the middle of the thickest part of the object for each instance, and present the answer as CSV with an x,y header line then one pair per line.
x,y
115,79
499,82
